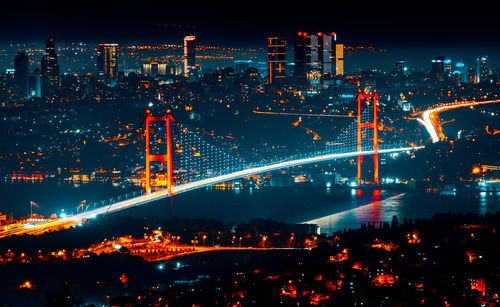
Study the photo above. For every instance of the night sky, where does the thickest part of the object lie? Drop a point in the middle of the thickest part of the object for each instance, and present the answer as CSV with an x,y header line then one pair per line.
x,y
233,22
416,34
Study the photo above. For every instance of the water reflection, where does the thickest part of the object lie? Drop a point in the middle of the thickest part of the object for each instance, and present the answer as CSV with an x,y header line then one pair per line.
x,y
375,211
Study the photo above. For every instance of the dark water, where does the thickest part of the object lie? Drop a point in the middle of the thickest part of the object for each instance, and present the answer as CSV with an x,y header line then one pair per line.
x,y
331,208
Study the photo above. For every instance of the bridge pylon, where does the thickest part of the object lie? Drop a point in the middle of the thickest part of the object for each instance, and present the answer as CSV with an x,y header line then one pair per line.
x,y
167,118
373,125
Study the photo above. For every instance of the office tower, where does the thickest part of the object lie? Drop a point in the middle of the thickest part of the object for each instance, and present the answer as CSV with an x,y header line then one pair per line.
x,y
34,84
107,62
300,58
437,70
21,75
189,56
100,55
339,59
399,68
315,52
3,91
50,69
462,71
276,59
328,55
471,76
482,69
447,66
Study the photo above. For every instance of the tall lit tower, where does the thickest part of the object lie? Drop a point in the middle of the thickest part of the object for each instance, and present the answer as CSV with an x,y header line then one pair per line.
x,y
328,53
462,70
276,59
50,69
302,43
189,56
21,75
482,69
437,69
339,59
107,61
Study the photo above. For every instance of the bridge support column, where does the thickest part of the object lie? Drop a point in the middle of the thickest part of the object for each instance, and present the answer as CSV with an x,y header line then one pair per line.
x,y
168,118
374,125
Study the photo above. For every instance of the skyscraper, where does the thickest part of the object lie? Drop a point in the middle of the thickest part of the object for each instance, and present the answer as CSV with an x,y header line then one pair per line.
x,y
328,55
317,53
399,67
482,69
3,91
276,59
437,70
50,69
339,59
107,62
34,84
21,75
300,58
461,69
189,56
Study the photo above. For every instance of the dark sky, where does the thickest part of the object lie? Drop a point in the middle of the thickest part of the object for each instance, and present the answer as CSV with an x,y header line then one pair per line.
x,y
245,22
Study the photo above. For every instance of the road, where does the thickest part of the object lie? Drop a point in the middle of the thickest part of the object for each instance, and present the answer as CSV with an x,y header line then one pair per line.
x,y
430,117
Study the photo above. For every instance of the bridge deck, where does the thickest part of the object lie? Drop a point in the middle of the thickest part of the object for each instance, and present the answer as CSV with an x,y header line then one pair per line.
x,y
143,199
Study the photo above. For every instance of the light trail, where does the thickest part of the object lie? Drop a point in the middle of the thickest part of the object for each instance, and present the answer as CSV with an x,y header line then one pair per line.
x,y
301,114
143,199
430,118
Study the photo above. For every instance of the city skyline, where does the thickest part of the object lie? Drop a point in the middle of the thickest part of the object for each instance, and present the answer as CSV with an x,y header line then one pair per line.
x,y
161,153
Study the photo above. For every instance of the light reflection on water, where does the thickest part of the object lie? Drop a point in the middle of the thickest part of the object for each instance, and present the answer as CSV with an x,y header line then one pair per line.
x,y
410,204
332,208
374,212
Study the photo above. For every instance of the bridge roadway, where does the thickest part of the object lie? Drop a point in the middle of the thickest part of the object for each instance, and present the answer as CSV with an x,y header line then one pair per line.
x,y
73,220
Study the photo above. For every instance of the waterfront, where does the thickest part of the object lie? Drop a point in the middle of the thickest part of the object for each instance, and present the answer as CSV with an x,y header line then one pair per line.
x,y
332,209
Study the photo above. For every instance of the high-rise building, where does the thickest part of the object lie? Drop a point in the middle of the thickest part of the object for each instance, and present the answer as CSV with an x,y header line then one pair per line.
x,y
300,58
339,59
448,67
482,69
107,62
461,69
316,52
276,59
399,68
437,70
50,69
328,55
34,84
189,56
21,64
3,92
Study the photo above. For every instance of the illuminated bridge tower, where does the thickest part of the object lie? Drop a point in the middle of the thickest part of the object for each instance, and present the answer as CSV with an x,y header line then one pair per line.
x,y
363,125
167,157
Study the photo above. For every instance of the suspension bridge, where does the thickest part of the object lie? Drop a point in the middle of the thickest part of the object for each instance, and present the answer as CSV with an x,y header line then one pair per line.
x,y
179,160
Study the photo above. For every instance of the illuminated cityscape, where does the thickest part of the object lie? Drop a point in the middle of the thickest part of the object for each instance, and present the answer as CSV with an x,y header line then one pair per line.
x,y
200,154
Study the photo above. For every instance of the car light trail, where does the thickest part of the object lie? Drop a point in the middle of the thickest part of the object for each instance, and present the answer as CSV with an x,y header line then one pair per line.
x,y
430,120
73,220
301,114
